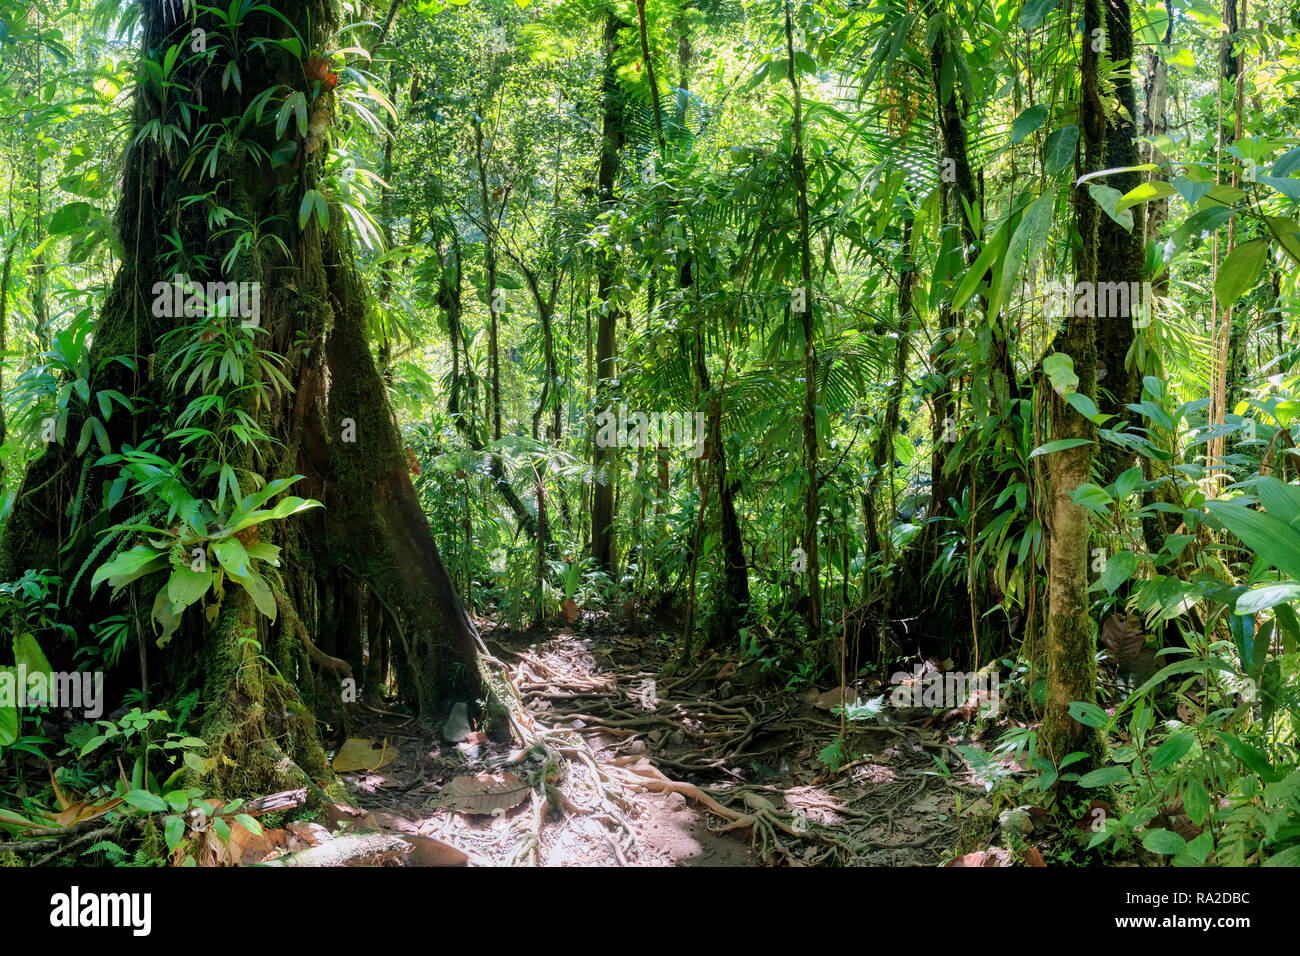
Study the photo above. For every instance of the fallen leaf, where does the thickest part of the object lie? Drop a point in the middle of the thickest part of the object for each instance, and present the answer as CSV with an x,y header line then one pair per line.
x,y
483,794
426,851
1033,857
358,754
833,698
994,856
303,833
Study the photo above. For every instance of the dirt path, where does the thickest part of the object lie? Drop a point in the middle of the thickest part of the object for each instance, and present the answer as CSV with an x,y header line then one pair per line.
x,y
757,753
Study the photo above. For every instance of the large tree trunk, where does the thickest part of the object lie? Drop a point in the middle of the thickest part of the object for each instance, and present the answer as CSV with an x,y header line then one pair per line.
x,y
335,426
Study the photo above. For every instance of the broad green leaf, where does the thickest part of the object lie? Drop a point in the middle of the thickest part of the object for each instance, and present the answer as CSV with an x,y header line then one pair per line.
x,y
1240,270
1060,371
1191,191
127,566
1172,750
1058,151
1104,777
1269,537
1118,569
1108,199
1028,121
1271,595
979,268
1127,482
186,586
1196,801
1033,12
1251,756
1144,192
231,555
144,800
1090,715
1163,841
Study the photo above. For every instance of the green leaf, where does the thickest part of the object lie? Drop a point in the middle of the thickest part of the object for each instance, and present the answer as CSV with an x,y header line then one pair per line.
x,y
1163,841
1288,857
1086,407
971,280
1028,121
1059,445
144,800
173,831
231,555
1118,569
313,203
186,586
1093,497
1108,199
1127,482
8,713
1145,192
1240,271
1267,536
1172,750
1196,801
1034,11
1090,715
1251,756
1104,777
28,654
70,218
1287,163
259,591
1030,235
1271,595
1058,151
127,566
1192,192
1060,371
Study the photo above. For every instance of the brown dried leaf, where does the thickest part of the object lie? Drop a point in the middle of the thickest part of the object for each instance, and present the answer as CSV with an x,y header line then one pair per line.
x,y
483,794
569,611
1091,817
1123,636
303,834
426,851
993,856
833,698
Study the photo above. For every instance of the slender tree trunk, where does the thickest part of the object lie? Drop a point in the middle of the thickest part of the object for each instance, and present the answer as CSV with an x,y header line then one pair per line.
x,y
1071,638
611,142
882,452
805,299
1121,253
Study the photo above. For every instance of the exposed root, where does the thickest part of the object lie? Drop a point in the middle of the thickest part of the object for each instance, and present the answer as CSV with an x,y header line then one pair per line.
x,y
606,800
288,612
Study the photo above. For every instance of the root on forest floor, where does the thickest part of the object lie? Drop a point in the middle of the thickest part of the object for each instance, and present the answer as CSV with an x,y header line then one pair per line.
x,y
695,734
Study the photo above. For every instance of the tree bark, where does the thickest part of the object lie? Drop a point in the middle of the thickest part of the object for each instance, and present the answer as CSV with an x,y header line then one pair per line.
x,y
1071,638
611,142
312,317
799,170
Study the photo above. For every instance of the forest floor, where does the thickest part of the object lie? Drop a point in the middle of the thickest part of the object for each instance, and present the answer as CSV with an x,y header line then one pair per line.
x,y
663,769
